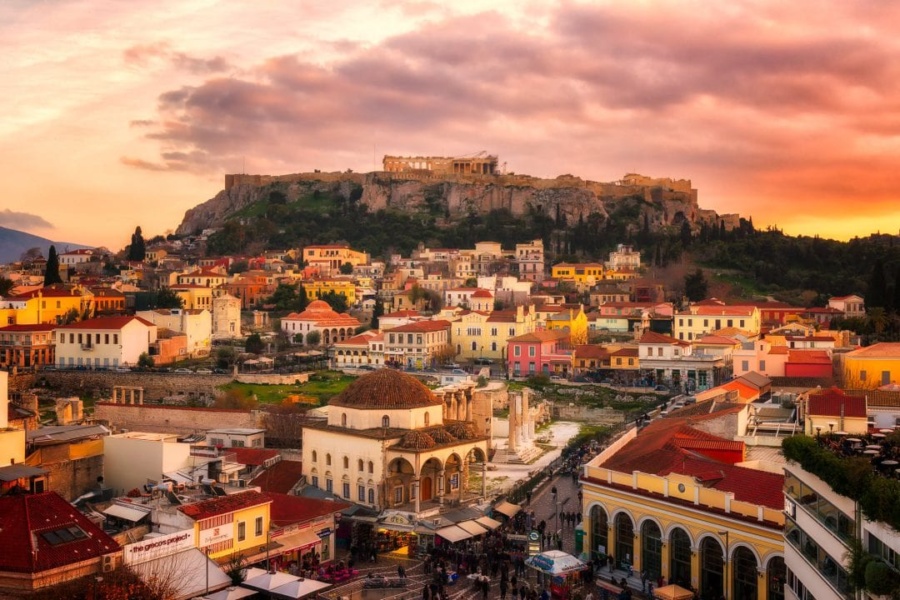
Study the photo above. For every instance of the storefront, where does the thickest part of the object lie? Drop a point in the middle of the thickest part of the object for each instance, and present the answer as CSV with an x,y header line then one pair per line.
x,y
395,532
563,570
173,564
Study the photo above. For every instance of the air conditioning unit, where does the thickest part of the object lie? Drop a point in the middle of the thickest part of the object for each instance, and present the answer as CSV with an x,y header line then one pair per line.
x,y
109,563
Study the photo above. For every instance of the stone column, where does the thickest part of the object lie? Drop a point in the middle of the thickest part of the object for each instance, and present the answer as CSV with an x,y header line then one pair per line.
x,y
636,561
484,479
513,423
142,396
418,490
611,543
664,557
695,567
463,476
131,396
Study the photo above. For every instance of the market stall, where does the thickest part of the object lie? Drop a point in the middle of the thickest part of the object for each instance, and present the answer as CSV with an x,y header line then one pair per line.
x,y
673,592
563,569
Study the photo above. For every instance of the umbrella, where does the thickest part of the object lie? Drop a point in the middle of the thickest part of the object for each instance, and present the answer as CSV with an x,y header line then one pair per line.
x,y
232,593
673,592
871,452
878,435
886,430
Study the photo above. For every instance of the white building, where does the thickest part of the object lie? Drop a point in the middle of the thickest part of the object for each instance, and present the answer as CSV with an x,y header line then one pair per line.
x,y
104,342
530,260
624,257
319,317
365,349
226,317
75,257
131,459
196,324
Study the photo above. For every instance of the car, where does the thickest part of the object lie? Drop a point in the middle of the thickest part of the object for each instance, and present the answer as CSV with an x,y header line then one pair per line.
x,y
366,368
661,388
203,372
452,365
220,371
458,372
182,370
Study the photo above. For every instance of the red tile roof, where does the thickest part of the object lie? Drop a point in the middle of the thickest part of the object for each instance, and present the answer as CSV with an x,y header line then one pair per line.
x,y
421,326
651,337
551,335
288,510
224,505
817,357
23,520
591,351
105,323
280,477
833,402
34,327
252,456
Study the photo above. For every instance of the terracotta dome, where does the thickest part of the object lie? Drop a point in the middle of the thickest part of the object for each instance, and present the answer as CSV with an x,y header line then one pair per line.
x,y
386,389
442,436
417,440
317,306
462,431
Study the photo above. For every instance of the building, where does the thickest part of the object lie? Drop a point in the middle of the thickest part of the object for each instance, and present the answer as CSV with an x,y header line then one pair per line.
x,y
209,278
45,305
624,258
103,342
131,458
226,317
852,306
47,542
304,527
108,301
26,346
326,260
196,324
418,345
75,257
828,410
676,501
547,352
317,288
251,288
572,320
582,275
703,319
390,442
530,260
873,366
365,349
231,525
480,164
673,362
319,317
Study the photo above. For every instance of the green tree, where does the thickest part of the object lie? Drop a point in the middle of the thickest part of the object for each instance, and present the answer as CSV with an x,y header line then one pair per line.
x,y
377,313
338,302
254,344
225,357
288,297
6,286
877,294
145,361
137,250
51,273
313,338
167,298
695,286
346,268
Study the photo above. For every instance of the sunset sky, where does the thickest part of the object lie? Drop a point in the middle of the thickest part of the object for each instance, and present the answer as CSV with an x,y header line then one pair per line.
x,y
129,112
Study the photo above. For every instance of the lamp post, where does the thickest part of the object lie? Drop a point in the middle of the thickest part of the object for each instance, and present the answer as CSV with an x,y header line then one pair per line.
x,y
726,561
556,505
206,569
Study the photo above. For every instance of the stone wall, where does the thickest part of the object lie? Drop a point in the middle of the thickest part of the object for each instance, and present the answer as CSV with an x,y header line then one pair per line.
x,y
157,386
173,419
588,414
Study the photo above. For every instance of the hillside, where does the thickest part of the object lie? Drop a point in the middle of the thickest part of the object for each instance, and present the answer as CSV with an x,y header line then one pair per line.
x,y
14,243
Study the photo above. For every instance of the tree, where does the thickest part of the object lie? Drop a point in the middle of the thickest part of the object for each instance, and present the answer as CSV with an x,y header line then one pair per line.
x,y
877,294
6,286
51,273
695,286
167,298
30,255
346,268
288,297
145,361
137,251
236,398
225,357
254,344
338,302
313,338
377,312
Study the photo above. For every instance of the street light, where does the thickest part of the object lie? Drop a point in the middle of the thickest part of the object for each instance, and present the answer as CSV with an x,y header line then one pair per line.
x,y
725,560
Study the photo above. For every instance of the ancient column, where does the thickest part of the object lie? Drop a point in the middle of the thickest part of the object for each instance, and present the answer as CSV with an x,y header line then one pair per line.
x,y
513,443
484,479
415,484
440,486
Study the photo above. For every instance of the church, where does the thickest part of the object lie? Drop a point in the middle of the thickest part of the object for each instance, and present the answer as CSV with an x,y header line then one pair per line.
x,y
391,443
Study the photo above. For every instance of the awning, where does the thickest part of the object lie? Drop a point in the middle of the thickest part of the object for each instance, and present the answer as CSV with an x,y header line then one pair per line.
x,y
472,527
488,522
507,508
396,527
297,540
126,512
453,534
187,571
300,588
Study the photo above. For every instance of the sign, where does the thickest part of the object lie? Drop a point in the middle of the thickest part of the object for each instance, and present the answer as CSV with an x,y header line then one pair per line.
x,y
534,536
324,533
152,548
542,562
214,535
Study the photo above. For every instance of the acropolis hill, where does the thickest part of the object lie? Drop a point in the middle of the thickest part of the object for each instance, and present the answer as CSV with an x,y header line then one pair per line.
x,y
460,186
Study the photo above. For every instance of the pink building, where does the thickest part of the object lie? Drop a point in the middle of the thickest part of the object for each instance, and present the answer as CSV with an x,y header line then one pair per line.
x,y
546,352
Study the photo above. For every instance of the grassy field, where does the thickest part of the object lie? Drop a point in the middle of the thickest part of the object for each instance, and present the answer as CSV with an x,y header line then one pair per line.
x,y
322,386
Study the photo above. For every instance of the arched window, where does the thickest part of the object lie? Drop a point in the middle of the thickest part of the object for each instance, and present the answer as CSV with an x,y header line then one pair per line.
x,y
346,463
679,557
474,345
712,567
599,531
315,456
651,549
359,465
385,421
328,460
344,420
624,540
745,573
371,496
427,418
371,467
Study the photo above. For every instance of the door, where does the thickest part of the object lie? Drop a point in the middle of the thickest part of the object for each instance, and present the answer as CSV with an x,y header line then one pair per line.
x,y
426,488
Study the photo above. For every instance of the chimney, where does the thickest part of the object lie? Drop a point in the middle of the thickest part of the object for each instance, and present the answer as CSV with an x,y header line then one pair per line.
x,y
4,400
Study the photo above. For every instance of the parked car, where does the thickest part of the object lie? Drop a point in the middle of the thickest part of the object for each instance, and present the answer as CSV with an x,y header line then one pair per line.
x,y
203,371
182,370
458,372
452,365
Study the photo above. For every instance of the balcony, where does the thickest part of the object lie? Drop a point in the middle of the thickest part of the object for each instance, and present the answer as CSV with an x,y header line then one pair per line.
x,y
87,347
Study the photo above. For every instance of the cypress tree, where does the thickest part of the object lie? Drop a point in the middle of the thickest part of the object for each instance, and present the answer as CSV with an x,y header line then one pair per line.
x,y
877,294
137,251
51,273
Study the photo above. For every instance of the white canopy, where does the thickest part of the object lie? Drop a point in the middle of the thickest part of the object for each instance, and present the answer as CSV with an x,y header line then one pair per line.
x,y
126,512
472,527
268,581
507,508
232,593
555,562
488,522
187,571
453,533
300,588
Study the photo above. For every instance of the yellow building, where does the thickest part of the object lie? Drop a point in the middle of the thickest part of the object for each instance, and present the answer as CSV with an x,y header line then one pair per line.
x,y
45,305
479,335
701,320
194,296
583,275
873,366
237,524
672,501
328,259
572,320
316,288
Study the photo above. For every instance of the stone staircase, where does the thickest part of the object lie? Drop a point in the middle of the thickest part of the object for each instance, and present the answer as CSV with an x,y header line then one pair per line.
x,y
522,456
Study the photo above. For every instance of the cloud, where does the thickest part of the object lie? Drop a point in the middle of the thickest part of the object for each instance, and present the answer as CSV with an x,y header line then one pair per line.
x,y
22,220
144,55
756,99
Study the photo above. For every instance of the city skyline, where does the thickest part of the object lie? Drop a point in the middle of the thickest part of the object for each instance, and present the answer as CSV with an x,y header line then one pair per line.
x,y
120,115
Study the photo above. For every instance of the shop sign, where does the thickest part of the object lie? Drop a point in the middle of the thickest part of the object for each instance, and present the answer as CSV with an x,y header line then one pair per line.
x,y
542,562
324,533
215,535
163,545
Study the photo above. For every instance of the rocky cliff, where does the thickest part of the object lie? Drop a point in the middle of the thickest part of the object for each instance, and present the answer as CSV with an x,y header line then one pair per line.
x,y
664,202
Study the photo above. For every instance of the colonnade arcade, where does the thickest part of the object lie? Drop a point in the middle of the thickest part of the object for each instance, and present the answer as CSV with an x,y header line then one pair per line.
x,y
437,481
673,553
457,399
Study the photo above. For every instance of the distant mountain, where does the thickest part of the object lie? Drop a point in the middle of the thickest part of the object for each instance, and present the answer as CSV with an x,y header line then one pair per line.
x,y
14,243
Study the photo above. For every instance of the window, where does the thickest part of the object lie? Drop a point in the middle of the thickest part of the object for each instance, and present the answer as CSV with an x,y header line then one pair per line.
x,y
398,495
259,526
385,421
474,345
885,378
371,496
862,375
328,460
329,485
762,366
346,490
346,463
359,465
361,493
315,480
315,456
531,351
242,531
427,419
517,350
745,365
371,467
343,420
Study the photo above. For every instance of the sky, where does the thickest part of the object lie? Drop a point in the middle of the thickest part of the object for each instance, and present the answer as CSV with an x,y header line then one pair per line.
x,y
125,113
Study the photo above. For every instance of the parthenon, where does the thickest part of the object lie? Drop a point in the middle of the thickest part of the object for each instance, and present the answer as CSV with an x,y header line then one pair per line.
x,y
480,164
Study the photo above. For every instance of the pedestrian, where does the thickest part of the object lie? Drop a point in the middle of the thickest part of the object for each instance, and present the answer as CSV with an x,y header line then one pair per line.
x,y
503,589
401,572
426,593
528,496
644,581
650,589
